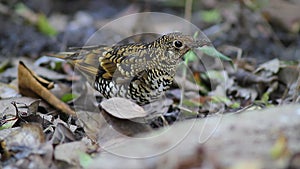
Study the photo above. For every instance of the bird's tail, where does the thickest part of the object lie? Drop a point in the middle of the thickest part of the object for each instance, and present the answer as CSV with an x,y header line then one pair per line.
x,y
85,61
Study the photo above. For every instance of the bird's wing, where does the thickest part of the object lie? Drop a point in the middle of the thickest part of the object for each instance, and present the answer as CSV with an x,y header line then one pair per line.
x,y
120,64
107,62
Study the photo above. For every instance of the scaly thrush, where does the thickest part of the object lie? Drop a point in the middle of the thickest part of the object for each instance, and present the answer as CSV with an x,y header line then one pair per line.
x,y
139,72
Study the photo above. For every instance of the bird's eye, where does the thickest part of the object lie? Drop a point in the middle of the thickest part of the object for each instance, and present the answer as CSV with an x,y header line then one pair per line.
x,y
177,44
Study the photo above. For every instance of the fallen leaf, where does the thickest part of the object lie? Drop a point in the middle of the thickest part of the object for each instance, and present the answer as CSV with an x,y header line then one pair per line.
x,y
25,110
62,134
245,93
32,85
92,123
44,26
245,78
271,66
23,140
7,91
85,159
70,152
211,16
68,97
123,108
11,73
8,110
280,147
4,64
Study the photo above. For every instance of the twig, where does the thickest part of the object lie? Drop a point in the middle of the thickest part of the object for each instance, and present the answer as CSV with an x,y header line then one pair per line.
x,y
188,14
188,10
296,94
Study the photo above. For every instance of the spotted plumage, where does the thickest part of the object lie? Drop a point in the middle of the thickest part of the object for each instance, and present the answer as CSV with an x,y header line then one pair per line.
x,y
139,72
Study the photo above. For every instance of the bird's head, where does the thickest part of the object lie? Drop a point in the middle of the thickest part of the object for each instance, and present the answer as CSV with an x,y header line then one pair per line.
x,y
175,45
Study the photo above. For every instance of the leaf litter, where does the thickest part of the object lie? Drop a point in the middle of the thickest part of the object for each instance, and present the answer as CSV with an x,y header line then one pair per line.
x,y
78,131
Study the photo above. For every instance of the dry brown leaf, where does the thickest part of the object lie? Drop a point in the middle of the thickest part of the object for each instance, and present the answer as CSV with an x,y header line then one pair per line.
x,y
32,85
123,108
93,123
25,139
24,109
270,67
245,78
62,134
70,152
128,127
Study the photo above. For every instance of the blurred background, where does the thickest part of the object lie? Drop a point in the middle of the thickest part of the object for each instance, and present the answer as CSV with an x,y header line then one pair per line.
x,y
262,30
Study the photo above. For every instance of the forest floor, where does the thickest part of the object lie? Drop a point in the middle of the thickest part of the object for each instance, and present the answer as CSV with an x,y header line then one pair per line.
x,y
243,113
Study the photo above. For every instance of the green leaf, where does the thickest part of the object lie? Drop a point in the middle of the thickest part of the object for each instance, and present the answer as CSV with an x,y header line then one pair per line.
x,y
4,65
8,124
21,8
68,97
191,103
44,26
85,159
190,56
280,147
211,16
235,105
257,5
57,66
265,97
221,99
211,51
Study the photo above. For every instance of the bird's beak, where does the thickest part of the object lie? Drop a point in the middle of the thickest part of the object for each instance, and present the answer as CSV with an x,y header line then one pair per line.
x,y
199,43
205,46
210,50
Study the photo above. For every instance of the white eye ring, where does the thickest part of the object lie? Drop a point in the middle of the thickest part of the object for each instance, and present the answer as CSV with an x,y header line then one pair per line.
x,y
178,44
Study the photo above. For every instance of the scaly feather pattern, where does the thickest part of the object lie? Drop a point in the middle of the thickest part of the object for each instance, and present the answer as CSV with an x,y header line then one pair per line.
x,y
139,72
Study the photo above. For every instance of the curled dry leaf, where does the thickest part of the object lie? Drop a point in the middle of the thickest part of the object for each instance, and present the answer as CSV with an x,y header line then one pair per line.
x,y
245,78
62,134
11,109
269,68
32,85
24,109
123,108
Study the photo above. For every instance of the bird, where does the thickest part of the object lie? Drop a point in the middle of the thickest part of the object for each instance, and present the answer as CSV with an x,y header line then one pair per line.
x,y
140,72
